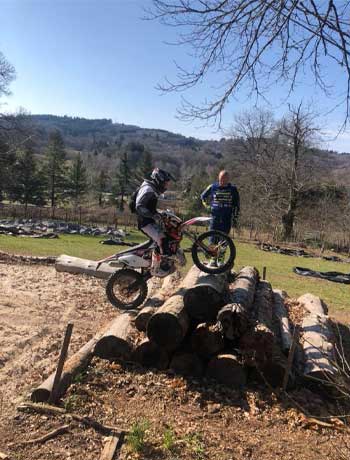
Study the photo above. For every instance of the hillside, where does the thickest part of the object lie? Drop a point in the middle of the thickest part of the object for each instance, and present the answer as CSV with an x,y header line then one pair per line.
x,y
102,136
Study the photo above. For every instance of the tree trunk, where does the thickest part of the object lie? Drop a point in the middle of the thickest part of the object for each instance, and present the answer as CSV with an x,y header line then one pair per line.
x,y
235,317
169,325
87,267
150,355
116,342
317,340
283,321
187,364
209,294
227,369
207,340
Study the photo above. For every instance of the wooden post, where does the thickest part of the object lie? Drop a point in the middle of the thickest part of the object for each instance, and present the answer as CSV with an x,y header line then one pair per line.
x,y
295,340
264,273
61,361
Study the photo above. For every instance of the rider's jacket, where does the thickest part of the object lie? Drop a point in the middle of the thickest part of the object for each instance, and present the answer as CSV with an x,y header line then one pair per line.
x,y
223,200
146,203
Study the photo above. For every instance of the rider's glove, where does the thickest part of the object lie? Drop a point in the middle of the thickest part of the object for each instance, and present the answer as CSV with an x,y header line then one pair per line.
x,y
206,205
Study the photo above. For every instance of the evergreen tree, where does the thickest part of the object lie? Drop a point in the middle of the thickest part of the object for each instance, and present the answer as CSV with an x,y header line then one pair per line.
x,y
146,164
102,183
55,168
28,184
7,159
122,181
77,180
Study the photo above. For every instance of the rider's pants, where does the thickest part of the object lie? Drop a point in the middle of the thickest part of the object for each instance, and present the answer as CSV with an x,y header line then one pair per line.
x,y
156,234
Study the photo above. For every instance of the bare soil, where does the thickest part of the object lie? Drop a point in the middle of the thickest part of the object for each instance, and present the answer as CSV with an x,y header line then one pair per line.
x,y
203,419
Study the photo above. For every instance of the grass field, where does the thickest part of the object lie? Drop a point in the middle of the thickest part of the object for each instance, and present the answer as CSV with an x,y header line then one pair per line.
x,y
279,267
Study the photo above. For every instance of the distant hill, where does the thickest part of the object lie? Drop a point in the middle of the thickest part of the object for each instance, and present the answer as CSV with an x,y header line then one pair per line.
x,y
175,151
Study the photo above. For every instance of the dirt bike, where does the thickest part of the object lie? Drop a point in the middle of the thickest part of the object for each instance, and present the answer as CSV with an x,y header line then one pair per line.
x,y
212,252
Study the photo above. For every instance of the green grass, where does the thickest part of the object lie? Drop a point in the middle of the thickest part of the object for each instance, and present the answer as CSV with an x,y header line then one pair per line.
x,y
136,437
279,267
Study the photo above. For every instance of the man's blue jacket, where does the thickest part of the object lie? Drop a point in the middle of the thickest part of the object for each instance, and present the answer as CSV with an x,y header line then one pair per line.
x,y
223,200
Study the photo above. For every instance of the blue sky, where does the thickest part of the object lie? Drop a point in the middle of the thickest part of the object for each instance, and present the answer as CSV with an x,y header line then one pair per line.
x,y
100,59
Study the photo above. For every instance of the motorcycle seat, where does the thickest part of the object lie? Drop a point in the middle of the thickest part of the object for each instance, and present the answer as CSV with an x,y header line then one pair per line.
x,y
144,245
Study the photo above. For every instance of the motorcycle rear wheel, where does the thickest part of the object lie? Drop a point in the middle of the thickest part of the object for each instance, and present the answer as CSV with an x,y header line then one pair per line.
x,y
223,241
126,289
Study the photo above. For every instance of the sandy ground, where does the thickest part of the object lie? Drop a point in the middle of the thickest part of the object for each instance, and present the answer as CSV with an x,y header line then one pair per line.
x,y
36,303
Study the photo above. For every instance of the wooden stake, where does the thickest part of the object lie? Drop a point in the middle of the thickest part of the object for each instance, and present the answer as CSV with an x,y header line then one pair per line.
x,y
264,273
61,361
295,339
113,443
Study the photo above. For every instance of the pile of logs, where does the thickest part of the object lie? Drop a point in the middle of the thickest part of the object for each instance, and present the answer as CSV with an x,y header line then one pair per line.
x,y
208,327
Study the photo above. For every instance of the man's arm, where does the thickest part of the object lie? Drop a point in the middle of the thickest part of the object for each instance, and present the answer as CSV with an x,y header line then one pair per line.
x,y
205,195
142,204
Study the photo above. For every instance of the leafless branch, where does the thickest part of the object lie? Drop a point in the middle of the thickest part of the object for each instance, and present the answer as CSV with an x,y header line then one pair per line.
x,y
256,43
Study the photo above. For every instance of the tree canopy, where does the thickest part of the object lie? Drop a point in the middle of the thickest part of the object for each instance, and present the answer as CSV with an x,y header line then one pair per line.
x,y
258,44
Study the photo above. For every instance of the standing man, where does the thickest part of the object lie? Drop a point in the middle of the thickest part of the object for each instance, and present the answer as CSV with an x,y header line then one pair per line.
x,y
223,200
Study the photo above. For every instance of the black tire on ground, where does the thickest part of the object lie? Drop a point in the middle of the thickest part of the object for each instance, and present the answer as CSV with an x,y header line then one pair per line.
x,y
127,276
230,247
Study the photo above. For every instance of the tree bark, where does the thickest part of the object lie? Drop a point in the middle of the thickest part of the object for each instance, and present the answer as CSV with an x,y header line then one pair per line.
x,y
235,317
187,364
88,267
207,340
116,342
169,325
317,340
283,321
209,294
150,355
227,369
257,343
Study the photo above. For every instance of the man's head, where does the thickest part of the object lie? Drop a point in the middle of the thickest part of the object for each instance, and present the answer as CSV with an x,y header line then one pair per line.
x,y
223,178
161,179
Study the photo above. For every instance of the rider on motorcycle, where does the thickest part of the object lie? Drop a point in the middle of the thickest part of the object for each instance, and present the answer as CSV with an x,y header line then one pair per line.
x,y
149,219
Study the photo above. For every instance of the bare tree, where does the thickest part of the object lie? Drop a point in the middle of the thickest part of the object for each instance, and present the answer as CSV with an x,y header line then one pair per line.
x,y
298,131
276,164
7,75
258,43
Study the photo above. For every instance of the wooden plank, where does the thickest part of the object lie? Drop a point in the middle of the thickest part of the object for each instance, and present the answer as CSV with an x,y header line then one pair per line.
x,y
62,358
109,448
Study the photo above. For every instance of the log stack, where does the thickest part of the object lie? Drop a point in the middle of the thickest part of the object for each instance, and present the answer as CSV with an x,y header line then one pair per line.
x,y
208,327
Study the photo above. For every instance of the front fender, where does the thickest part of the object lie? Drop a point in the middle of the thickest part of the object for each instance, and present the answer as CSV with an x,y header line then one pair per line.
x,y
197,220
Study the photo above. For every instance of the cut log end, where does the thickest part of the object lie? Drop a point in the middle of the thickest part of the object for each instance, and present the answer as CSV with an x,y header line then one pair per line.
x,y
111,347
227,369
40,395
187,364
150,355
165,329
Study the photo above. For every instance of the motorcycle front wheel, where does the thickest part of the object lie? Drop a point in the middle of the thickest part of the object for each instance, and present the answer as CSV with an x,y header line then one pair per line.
x,y
214,252
126,289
